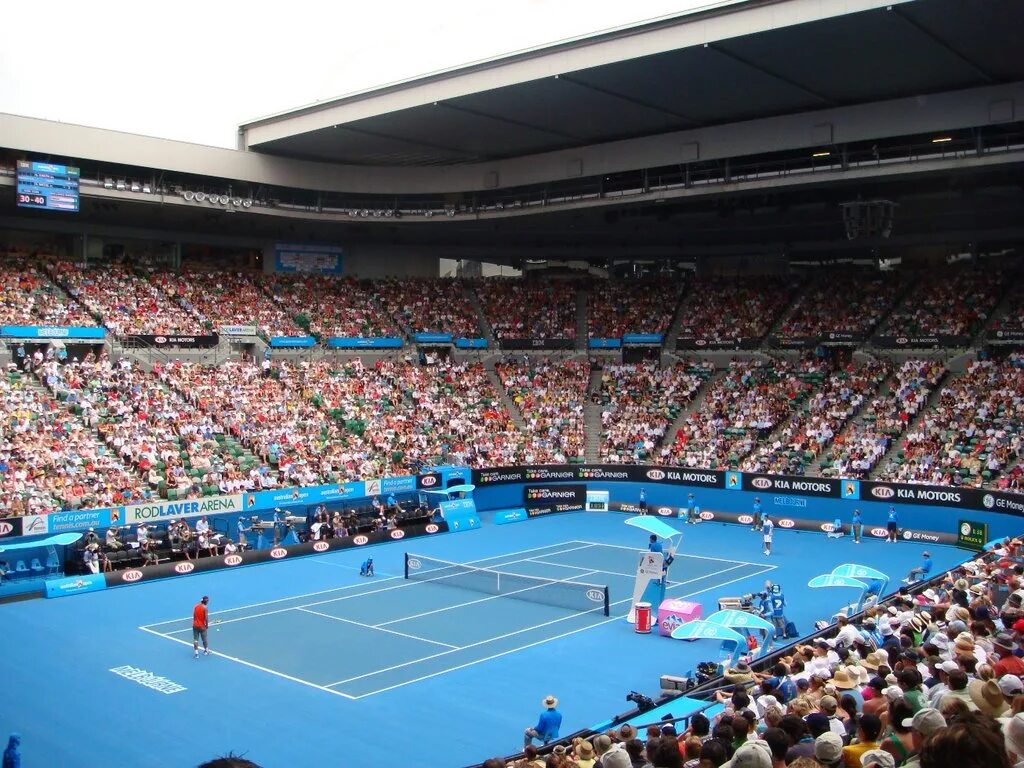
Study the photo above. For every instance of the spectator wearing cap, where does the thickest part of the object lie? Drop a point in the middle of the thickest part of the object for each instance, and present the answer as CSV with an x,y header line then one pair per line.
x,y
869,728
1004,646
602,744
548,723
618,757
922,725
828,750
920,573
829,707
876,758
755,754
803,732
1010,686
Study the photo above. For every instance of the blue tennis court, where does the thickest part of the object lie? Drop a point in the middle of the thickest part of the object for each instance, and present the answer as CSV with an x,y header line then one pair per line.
x,y
412,630
313,661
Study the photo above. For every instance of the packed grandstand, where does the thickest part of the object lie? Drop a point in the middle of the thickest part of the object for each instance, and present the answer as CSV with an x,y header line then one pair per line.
x,y
89,429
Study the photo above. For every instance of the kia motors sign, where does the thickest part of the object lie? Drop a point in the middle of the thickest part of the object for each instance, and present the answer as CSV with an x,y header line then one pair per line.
x,y
360,540
184,568
132,575
233,560
431,528
278,552
398,533
321,546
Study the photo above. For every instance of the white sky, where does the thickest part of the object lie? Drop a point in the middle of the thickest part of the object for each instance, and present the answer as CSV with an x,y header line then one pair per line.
x,y
193,71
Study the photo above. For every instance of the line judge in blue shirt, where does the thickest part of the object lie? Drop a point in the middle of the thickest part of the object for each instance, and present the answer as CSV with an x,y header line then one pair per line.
x,y
548,723
921,572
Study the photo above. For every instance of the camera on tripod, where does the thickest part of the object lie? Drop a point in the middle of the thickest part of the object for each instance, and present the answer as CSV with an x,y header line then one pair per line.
x,y
643,703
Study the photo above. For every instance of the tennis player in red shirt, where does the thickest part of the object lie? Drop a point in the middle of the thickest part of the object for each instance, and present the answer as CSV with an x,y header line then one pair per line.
x,y
200,627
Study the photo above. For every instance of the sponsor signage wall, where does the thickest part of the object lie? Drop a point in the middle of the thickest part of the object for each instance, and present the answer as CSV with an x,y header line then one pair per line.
x,y
250,557
803,486
806,342
910,342
432,338
10,527
692,342
506,516
292,341
238,330
538,343
430,481
51,332
75,585
599,472
1008,337
465,343
642,338
198,342
159,511
604,343
361,342
547,499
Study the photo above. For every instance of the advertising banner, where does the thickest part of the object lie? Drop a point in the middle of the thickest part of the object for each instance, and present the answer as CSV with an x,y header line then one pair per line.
x,y
964,498
316,494
238,330
799,486
75,585
360,342
431,481
80,520
1005,337
51,332
642,338
972,534
692,342
604,343
506,516
249,557
547,499
158,511
432,338
196,342
912,342
638,473
292,341
10,527
537,343
466,343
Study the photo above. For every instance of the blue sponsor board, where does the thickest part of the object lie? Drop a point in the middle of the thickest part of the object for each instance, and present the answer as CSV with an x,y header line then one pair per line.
x,y
308,258
464,343
460,514
362,342
432,338
850,489
292,341
604,343
642,338
406,484
75,585
734,481
506,516
61,522
312,495
51,332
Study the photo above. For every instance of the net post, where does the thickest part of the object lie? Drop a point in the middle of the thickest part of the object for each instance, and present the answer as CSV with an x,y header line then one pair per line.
x,y
607,606
407,565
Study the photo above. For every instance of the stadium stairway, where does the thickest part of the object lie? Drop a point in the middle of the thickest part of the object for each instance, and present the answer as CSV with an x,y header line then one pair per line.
x,y
481,319
513,409
673,328
897,445
581,321
692,407
592,414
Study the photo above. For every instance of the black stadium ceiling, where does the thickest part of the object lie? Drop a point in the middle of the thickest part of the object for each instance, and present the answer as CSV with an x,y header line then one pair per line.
x,y
909,49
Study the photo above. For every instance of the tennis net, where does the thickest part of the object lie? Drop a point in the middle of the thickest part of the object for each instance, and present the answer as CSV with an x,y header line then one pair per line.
x,y
574,595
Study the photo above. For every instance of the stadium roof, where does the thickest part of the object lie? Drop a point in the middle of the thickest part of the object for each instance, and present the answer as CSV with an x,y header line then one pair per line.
x,y
728,62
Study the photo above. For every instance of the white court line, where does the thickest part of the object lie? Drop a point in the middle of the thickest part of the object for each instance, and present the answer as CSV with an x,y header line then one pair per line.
x,y
360,586
320,561
404,683
378,628
531,628
404,585
580,568
250,664
567,580
678,554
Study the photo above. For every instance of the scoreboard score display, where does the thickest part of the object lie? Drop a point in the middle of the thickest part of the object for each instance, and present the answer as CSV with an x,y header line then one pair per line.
x,y
47,186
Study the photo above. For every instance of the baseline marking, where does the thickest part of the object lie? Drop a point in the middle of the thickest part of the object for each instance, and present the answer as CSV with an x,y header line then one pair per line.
x,y
254,666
